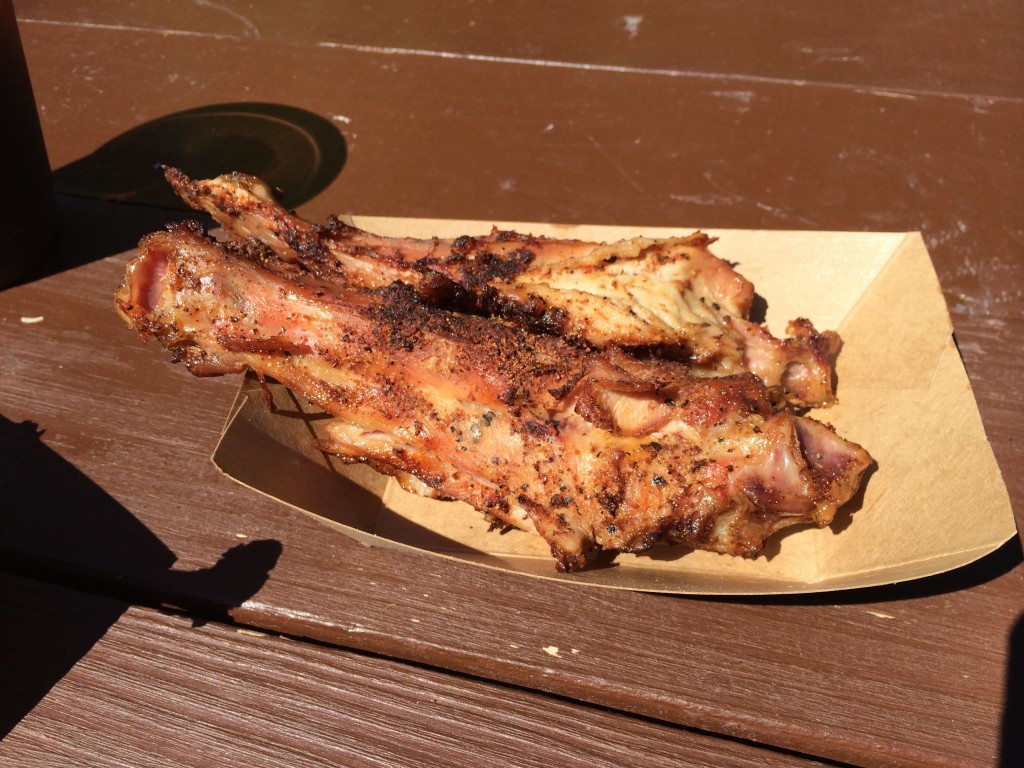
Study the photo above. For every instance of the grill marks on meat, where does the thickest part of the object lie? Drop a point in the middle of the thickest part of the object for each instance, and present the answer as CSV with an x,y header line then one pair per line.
x,y
665,298
590,449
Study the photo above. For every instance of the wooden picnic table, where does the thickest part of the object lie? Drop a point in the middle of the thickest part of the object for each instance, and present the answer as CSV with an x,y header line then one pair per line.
x,y
154,612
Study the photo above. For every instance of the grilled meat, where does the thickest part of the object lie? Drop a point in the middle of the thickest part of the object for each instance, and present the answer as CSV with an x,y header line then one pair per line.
x,y
590,449
664,298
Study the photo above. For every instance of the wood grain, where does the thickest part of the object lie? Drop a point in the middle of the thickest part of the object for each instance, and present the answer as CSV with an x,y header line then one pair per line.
x,y
580,146
153,689
760,670
915,46
863,120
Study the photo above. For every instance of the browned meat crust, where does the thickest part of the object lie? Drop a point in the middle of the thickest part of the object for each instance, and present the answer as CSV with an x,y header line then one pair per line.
x,y
591,449
664,298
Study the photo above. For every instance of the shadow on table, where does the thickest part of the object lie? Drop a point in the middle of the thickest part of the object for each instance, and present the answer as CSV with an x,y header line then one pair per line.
x,y
59,527
1011,743
290,148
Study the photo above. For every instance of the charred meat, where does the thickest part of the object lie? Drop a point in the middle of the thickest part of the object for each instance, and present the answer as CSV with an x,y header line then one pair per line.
x,y
667,298
590,448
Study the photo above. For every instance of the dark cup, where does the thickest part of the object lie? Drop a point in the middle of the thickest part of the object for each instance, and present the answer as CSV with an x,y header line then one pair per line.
x,y
27,213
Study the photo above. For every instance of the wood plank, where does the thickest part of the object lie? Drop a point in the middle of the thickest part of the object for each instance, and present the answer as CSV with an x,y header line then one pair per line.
x,y
982,340
915,46
122,685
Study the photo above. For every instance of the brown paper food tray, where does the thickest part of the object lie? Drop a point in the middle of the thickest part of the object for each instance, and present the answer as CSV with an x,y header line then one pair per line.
x,y
936,500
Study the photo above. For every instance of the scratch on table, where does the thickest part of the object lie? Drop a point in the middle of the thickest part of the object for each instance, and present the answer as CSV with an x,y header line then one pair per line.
x,y
785,215
622,171
771,209
127,28
387,50
880,615
834,55
254,31
709,199
552,650
892,94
